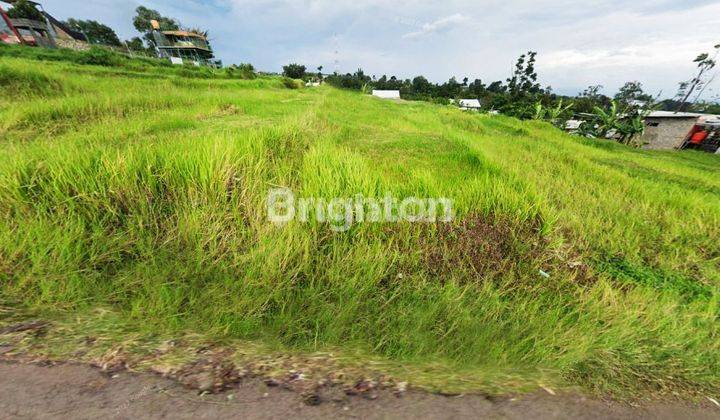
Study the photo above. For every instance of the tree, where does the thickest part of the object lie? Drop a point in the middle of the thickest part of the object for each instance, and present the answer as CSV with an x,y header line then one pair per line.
x,y
524,78
96,32
144,16
450,89
381,82
630,92
143,23
496,87
592,92
23,9
704,64
358,81
591,98
421,86
477,88
294,71
135,44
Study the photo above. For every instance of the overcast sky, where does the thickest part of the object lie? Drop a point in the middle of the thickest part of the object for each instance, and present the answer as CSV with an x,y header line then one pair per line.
x,y
578,43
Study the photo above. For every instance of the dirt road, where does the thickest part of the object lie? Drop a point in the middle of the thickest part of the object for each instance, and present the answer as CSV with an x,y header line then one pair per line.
x,y
76,391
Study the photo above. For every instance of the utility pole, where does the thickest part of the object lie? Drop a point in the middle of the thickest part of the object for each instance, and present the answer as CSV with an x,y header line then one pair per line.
x,y
336,60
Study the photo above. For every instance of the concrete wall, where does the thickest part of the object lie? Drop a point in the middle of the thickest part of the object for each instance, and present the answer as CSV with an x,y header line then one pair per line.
x,y
668,134
72,44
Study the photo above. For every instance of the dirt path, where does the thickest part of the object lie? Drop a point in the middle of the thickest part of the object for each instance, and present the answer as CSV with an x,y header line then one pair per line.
x,y
75,391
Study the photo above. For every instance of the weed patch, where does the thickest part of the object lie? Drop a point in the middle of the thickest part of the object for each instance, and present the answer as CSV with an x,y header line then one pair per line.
x,y
482,247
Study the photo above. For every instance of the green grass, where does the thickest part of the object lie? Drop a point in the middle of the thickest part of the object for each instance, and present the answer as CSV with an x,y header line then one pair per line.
x,y
143,190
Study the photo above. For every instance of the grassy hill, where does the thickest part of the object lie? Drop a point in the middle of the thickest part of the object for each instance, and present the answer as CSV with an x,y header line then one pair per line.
x,y
142,191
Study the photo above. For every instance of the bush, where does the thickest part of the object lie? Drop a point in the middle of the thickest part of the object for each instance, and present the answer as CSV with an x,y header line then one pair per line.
x,y
98,56
292,83
240,71
294,71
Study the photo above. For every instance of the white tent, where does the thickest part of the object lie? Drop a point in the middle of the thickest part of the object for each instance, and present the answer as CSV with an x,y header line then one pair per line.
x,y
387,94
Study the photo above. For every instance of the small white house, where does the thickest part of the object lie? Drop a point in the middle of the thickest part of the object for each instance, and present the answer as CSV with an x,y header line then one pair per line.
x,y
573,125
469,104
387,94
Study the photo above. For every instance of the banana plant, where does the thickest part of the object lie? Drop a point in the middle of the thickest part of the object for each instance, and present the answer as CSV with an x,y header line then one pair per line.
x,y
555,113
607,121
612,123
540,111
630,128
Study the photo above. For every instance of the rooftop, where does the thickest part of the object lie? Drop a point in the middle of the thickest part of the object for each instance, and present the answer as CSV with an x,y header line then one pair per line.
x,y
184,33
673,114
182,46
386,94
470,103
13,1
28,23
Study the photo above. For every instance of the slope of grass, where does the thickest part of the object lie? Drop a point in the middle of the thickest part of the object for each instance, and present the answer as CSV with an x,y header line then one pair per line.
x,y
145,192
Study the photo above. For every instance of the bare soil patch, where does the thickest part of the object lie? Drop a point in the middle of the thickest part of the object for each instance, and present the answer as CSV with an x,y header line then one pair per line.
x,y
79,391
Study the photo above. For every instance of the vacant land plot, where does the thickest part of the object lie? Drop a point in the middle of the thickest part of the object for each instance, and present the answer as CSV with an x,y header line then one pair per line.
x,y
572,262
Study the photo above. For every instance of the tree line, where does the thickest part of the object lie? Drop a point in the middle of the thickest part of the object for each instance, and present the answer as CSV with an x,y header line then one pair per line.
x,y
521,95
517,96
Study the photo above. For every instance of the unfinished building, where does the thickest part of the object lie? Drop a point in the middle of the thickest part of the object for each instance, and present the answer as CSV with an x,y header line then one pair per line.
x,y
183,46
43,31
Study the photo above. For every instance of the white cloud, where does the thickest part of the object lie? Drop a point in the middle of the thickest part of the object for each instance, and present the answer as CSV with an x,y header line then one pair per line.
x,y
658,53
438,25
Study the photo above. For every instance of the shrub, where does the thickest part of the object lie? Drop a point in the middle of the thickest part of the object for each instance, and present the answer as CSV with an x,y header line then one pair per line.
x,y
241,71
100,57
246,67
291,83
